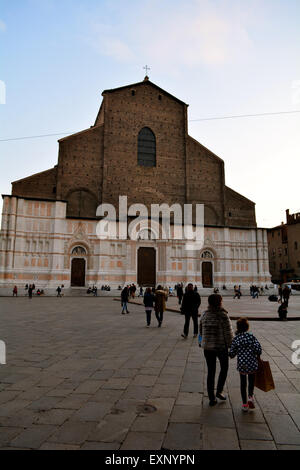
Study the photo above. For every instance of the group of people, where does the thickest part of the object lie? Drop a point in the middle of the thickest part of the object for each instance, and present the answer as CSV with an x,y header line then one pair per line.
x,y
217,339
93,290
153,299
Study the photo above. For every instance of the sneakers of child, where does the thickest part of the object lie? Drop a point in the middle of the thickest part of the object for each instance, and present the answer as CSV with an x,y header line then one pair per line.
x,y
251,403
245,408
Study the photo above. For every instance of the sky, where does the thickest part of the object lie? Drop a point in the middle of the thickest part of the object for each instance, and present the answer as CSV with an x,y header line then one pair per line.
x,y
222,57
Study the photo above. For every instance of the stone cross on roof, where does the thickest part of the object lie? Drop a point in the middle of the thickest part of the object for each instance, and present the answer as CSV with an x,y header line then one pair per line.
x,y
146,68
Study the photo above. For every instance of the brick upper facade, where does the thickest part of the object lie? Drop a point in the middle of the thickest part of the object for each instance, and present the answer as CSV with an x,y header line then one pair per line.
x,y
99,164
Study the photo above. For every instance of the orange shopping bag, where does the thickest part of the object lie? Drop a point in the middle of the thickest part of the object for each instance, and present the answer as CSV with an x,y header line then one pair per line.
x,y
263,377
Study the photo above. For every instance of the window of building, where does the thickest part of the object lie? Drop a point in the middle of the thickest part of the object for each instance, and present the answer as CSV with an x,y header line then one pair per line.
x,y
146,148
296,245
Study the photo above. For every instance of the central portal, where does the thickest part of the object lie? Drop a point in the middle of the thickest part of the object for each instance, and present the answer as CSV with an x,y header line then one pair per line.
x,y
146,272
207,274
78,272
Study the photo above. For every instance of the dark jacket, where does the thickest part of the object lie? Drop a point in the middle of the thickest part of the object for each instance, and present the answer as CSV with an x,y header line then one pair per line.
x,y
191,302
148,300
125,295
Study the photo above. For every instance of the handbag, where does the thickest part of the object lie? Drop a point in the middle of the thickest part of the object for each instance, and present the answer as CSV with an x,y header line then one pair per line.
x,y
263,376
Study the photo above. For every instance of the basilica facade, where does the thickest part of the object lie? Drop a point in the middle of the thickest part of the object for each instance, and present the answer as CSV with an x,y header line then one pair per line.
x,y
138,147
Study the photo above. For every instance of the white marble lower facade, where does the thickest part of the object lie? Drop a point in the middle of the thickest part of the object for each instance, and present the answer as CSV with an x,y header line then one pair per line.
x,y
38,244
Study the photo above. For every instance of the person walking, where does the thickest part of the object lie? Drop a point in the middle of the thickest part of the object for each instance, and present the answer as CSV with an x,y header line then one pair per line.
x,y
286,292
124,299
15,291
190,305
30,290
160,304
247,349
148,302
179,293
217,335
58,290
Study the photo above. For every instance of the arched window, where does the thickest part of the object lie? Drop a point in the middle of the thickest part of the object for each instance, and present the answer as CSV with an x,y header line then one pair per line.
x,y
79,250
146,147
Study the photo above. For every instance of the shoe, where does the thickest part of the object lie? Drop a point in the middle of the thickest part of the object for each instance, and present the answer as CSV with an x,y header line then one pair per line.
x,y
184,336
221,397
251,403
245,408
127,312
213,402
159,325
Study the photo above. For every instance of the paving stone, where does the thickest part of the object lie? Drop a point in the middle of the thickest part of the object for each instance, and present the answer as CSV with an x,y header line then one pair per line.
x,y
113,427
73,402
219,438
138,392
183,436
185,398
117,383
146,380
10,408
283,429
89,386
191,387
143,441
107,396
75,433
256,431
55,416
33,437
125,373
92,411
186,414
287,447
44,403
169,390
218,417
56,446
8,433
257,445
291,401
100,446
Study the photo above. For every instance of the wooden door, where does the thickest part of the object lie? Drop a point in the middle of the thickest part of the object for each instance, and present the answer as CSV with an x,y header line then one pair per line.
x,y
78,272
146,275
207,277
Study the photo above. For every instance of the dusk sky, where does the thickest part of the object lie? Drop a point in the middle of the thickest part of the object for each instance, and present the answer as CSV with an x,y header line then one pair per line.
x,y
221,57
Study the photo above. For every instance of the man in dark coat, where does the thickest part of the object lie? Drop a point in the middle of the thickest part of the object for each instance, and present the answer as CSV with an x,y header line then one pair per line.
x,y
190,306
124,299
179,293
286,295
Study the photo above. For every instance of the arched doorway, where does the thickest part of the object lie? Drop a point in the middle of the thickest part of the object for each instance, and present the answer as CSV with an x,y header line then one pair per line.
x,y
146,270
78,266
207,274
78,272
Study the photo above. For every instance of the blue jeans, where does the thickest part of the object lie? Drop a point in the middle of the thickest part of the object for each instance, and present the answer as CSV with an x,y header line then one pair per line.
x,y
124,307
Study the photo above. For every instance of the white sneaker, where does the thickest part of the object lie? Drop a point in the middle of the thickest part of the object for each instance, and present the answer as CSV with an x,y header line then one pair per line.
x,y
245,408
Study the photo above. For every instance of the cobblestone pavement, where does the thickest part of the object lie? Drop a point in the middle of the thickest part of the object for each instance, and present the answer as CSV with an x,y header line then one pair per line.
x,y
80,375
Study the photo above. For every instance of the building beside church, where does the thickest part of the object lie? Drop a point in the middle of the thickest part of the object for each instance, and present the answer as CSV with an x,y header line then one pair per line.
x,y
138,147
284,250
